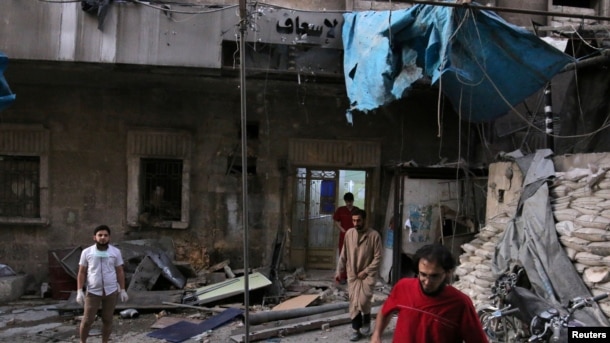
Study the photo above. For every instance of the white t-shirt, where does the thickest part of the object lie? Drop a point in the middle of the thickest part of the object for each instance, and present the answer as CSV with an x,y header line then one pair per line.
x,y
101,269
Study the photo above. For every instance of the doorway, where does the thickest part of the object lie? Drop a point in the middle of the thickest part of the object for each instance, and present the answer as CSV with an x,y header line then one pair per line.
x,y
318,193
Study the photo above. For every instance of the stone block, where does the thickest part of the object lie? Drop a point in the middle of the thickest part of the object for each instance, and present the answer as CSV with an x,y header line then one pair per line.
x,y
11,287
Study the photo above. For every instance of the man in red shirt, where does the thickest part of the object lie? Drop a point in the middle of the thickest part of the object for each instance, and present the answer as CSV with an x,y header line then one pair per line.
x,y
343,221
429,309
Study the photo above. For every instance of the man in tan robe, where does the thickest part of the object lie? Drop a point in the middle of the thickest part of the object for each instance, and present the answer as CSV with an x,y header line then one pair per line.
x,y
360,258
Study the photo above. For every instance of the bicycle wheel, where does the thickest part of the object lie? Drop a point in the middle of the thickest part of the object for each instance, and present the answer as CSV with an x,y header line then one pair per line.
x,y
498,330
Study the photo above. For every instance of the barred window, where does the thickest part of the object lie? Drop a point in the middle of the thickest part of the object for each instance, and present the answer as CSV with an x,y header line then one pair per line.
x,y
158,169
19,186
162,180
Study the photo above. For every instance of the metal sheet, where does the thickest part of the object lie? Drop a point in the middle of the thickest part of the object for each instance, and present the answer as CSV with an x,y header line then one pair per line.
x,y
230,287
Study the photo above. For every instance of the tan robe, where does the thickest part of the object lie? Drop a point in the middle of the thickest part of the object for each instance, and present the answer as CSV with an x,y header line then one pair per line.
x,y
360,254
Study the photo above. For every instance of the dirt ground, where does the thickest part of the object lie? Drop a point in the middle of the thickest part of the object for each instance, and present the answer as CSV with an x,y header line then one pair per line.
x,y
64,329
39,320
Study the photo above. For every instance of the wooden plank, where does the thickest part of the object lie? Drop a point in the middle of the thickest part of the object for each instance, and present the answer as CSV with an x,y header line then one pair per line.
x,y
167,321
296,302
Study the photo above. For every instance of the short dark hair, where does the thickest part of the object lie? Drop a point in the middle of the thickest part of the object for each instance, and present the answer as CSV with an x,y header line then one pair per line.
x,y
435,253
348,196
359,212
101,228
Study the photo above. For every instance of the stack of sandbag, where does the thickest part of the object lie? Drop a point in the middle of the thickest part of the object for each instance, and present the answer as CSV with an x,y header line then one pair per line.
x,y
581,205
474,274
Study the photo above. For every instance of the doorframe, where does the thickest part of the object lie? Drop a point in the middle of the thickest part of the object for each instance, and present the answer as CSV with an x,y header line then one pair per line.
x,y
336,155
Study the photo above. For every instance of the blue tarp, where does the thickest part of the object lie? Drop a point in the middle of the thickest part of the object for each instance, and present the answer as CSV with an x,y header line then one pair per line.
x,y
483,64
6,96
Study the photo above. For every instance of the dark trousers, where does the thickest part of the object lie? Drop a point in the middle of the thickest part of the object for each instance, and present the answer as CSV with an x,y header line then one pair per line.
x,y
360,320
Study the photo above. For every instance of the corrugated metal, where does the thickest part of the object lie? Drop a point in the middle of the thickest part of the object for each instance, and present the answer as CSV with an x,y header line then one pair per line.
x,y
24,141
327,153
170,144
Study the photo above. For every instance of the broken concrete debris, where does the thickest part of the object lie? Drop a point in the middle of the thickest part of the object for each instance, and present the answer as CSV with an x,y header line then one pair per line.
x,y
156,283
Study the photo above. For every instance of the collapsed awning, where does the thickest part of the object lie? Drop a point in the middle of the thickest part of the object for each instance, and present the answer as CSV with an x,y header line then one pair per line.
x,y
483,64
6,96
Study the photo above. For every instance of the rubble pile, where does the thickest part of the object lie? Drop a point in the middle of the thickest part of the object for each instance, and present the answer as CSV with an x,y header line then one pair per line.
x,y
581,206
474,270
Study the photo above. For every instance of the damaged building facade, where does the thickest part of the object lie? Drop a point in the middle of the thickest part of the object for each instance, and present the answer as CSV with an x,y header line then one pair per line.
x,y
132,119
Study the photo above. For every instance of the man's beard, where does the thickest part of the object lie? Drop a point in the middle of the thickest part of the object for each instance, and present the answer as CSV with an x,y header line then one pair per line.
x,y
101,246
435,292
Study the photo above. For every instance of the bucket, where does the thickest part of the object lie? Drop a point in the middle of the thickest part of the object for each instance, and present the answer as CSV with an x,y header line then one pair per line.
x,y
60,281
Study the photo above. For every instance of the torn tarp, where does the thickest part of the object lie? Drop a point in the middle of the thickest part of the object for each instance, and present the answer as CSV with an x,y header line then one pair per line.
x,y
483,64
530,240
6,96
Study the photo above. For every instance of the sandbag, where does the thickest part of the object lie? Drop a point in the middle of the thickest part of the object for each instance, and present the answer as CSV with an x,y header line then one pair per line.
x,y
606,260
587,209
476,259
592,234
602,193
575,243
593,221
605,213
568,214
469,247
588,200
582,192
559,190
588,259
560,206
604,184
599,248
595,275
565,228
499,222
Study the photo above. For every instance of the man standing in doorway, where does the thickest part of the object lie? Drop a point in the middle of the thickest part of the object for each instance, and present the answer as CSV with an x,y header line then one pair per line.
x,y
101,268
343,221
360,259
429,309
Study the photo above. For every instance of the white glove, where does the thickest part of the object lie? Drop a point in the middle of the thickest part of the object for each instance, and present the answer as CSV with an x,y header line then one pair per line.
x,y
123,295
80,297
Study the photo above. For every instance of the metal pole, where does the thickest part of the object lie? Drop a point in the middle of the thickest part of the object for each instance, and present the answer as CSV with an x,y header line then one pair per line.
x,y
548,116
505,9
243,26
397,243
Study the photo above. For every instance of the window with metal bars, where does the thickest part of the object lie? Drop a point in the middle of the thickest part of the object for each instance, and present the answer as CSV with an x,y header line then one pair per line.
x,y
162,188
20,186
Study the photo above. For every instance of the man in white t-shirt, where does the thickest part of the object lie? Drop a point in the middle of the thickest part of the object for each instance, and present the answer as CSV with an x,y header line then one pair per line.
x,y
101,269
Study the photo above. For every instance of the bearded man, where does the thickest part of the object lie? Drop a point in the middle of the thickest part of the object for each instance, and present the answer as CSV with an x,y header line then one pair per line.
x,y
101,270
360,259
429,309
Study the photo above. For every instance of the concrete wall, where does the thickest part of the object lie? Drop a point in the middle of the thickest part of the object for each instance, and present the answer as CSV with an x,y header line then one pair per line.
x,y
88,110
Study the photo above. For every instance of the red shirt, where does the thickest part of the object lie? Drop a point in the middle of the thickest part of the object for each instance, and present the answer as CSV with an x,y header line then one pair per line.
x,y
343,215
448,317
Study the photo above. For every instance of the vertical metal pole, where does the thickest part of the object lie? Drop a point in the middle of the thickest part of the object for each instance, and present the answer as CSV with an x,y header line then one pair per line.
x,y
243,26
398,224
548,116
